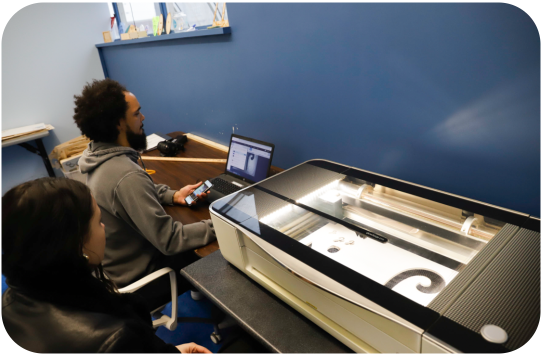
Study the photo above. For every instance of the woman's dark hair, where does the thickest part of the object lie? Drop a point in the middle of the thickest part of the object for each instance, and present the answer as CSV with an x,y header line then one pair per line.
x,y
45,223
99,109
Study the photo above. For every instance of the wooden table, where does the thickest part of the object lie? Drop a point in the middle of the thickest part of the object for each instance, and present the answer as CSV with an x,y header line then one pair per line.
x,y
179,174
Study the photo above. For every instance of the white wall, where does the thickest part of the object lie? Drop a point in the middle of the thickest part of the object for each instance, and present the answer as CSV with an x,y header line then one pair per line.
x,y
48,54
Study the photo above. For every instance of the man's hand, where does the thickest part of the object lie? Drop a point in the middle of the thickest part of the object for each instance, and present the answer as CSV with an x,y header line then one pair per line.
x,y
179,196
192,348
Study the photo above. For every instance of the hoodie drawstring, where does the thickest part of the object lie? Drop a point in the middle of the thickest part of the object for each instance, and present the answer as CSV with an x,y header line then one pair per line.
x,y
148,171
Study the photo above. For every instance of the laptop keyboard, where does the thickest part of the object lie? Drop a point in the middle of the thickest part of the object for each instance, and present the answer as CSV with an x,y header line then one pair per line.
x,y
224,186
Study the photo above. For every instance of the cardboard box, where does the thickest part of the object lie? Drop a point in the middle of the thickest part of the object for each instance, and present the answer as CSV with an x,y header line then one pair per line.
x,y
70,168
68,150
71,163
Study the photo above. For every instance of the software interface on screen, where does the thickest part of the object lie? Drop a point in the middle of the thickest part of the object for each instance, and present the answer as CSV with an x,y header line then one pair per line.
x,y
248,159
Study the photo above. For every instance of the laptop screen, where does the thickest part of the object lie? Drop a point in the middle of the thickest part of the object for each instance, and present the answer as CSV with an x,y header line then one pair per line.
x,y
248,158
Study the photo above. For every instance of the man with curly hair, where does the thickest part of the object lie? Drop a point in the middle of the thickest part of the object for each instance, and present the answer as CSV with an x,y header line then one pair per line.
x,y
140,236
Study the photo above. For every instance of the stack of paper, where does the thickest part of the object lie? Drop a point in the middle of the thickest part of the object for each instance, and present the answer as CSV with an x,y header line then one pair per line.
x,y
23,131
154,139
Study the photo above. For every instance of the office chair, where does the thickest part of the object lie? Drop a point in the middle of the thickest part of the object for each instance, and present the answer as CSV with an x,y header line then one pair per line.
x,y
170,322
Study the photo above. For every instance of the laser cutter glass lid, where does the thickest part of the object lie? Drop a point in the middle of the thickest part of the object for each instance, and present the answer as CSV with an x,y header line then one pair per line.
x,y
410,244
407,243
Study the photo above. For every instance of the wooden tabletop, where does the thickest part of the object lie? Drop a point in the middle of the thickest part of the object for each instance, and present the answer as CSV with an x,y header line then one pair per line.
x,y
25,138
179,174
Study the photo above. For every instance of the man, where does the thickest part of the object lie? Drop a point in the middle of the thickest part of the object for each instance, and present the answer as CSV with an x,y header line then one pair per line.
x,y
140,236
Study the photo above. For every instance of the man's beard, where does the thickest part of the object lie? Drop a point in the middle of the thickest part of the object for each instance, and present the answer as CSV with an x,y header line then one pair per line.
x,y
137,141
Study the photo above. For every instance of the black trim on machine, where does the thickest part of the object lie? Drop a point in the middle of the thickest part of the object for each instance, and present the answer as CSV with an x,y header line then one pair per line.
x,y
462,338
340,169
533,224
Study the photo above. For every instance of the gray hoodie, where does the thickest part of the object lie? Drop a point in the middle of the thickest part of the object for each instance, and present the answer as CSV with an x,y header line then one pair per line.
x,y
139,233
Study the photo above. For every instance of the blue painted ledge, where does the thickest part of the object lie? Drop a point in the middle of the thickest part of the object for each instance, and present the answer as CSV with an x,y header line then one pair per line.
x,y
198,33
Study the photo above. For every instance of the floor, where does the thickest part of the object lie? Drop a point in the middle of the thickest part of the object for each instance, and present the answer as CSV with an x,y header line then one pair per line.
x,y
198,333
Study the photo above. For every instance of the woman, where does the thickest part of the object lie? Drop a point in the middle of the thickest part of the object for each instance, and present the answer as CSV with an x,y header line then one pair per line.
x,y
59,300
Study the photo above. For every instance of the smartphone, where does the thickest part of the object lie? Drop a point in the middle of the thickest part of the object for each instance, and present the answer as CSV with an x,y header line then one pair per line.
x,y
201,189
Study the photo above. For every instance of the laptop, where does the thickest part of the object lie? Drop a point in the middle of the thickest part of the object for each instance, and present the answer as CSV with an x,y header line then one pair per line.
x,y
249,161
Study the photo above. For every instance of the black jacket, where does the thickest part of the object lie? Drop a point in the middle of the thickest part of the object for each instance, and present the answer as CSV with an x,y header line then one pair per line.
x,y
45,327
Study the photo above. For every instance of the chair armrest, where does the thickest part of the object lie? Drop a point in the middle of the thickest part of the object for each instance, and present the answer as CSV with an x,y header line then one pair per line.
x,y
133,287
168,322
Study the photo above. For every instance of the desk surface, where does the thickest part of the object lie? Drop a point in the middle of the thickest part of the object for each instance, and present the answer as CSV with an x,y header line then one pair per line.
x,y
178,174
25,138
278,326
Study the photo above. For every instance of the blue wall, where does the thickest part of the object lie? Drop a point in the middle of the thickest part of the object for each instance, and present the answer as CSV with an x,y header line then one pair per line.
x,y
443,95
41,74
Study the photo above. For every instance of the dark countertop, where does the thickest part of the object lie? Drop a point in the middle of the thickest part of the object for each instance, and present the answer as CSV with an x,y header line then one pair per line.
x,y
264,316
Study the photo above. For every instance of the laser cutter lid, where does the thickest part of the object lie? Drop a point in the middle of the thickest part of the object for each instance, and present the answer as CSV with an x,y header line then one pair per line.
x,y
396,243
